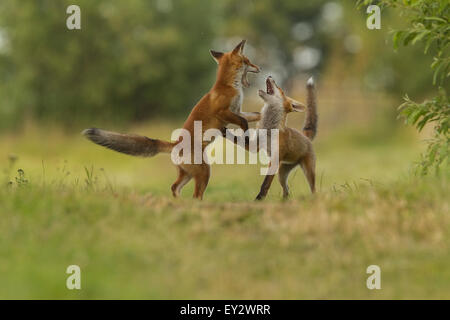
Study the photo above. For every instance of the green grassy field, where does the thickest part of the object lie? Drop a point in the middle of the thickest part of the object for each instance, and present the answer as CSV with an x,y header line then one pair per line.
x,y
131,239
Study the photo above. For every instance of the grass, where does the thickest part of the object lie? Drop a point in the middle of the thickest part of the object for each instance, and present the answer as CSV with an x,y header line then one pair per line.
x,y
76,203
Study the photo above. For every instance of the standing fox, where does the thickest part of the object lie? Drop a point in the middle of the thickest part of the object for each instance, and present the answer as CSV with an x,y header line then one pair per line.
x,y
219,107
295,147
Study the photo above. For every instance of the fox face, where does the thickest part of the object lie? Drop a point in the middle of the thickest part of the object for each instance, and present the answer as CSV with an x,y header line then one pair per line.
x,y
274,96
234,65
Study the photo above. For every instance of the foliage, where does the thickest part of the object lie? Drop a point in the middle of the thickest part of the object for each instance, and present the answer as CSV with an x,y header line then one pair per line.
x,y
130,59
428,23
437,111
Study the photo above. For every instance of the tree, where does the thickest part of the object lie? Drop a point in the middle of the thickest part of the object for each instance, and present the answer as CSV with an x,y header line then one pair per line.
x,y
429,24
131,59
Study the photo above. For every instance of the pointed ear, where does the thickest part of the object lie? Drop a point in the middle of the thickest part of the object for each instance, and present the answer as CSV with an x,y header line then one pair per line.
x,y
216,55
240,47
297,106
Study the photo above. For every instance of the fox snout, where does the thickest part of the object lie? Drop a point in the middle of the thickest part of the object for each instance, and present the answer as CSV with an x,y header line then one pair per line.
x,y
253,68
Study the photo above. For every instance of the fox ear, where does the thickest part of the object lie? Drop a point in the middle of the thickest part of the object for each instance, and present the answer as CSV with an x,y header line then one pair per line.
x,y
240,47
216,55
297,106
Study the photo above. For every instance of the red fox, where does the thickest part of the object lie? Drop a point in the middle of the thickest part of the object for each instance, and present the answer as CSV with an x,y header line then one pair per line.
x,y
219,107
295,147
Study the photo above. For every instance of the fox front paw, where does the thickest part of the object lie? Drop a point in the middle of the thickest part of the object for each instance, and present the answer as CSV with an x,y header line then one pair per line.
x,y
259,197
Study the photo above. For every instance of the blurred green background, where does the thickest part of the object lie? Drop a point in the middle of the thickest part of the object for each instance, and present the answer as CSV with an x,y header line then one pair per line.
x,y
139,60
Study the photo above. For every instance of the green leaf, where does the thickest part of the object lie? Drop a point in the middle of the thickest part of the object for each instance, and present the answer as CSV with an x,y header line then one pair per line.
x,y
397,38
435,19
409,38
420,36
428,44
436,72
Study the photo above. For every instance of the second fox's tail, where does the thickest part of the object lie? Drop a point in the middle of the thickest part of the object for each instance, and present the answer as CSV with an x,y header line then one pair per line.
x,y
131,144
310,126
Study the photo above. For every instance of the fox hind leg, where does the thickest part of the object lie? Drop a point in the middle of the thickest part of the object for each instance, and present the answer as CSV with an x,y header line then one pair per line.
x,y
283,175
201,181
182,180
308,165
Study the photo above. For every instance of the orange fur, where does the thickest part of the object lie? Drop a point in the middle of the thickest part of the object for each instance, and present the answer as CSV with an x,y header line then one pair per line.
x,y
213,110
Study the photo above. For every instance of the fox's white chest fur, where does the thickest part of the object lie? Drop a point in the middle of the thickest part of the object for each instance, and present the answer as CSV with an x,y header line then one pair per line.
x,y
271,117
236,102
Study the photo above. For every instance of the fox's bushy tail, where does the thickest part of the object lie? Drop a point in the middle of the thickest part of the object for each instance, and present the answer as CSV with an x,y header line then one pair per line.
x,y
131,144
310,126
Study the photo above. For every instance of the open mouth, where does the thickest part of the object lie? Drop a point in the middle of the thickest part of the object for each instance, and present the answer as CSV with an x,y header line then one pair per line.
x,y
249,68
244,80
269,86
